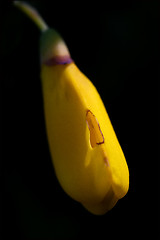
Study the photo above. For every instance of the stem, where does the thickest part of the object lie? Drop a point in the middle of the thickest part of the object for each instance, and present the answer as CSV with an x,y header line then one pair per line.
x,y
32,14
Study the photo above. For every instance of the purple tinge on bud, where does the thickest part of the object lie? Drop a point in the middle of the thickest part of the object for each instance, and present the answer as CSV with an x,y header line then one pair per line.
x,y
58,60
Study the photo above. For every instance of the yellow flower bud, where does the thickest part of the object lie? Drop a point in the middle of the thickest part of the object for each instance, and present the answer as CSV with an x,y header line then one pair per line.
x,y
87,157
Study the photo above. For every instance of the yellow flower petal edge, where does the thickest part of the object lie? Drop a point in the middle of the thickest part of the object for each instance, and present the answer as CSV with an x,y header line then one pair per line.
x,y
88,160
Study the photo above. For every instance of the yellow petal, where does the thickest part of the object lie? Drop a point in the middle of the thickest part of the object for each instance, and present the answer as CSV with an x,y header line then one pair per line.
x,y
87,157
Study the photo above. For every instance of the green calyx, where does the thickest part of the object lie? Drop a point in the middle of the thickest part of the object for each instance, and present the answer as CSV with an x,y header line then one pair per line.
x,y
53,49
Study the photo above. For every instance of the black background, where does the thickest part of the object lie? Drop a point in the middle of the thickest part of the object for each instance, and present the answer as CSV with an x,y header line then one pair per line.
x,y
117,48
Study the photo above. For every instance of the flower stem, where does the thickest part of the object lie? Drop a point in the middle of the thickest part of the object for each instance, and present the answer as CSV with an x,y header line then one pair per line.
x,y
32,14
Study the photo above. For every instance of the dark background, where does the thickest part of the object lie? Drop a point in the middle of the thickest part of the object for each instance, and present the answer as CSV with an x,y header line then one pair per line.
x,y
117,48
